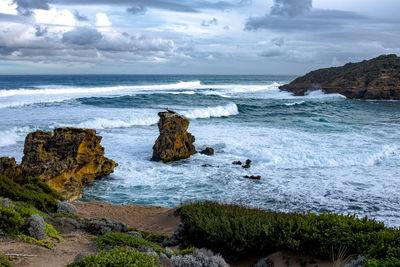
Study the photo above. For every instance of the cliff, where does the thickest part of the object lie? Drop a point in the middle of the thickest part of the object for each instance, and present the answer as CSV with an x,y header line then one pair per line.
x,y
378,78
66,161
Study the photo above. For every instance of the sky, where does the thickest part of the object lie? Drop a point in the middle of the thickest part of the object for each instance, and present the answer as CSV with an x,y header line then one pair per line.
x,y
289,37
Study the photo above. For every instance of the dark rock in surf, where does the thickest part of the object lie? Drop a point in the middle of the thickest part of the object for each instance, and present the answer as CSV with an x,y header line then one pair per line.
x,y
174,142
247,165
209,151
253,177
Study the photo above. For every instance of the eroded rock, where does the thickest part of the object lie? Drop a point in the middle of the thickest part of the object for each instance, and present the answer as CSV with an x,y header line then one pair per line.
x,y
10,169
67,160
174,142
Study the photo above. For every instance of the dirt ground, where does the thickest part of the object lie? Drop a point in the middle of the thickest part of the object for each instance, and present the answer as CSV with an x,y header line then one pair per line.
x,y
38,256
149,218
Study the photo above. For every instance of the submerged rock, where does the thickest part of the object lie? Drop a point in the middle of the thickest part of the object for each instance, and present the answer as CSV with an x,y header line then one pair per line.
x,y
209,151
174,142
67,160
378,78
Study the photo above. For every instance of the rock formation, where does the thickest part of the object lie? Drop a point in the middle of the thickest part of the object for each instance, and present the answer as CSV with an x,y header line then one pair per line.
x,y
66,161
209,151
378,78
10,169
174,142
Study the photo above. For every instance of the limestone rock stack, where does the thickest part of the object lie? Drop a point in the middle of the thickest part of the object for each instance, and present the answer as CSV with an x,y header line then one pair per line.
x,y
174,142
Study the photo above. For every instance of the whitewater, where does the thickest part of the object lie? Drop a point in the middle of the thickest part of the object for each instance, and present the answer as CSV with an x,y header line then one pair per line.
x,y
316,153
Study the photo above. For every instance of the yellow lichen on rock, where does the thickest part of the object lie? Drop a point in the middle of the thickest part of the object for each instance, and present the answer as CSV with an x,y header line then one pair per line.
x,y
174,142
66,161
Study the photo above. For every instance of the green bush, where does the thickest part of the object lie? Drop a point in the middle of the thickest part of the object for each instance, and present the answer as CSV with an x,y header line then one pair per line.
x,y
236,232
149,236
34,192
116,258
11,221
121,239
4,262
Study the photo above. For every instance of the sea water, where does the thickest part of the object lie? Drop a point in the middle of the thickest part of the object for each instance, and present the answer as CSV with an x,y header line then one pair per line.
x,y
317,153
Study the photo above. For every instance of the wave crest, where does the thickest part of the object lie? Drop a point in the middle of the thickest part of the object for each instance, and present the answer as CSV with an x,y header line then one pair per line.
x,y
140,120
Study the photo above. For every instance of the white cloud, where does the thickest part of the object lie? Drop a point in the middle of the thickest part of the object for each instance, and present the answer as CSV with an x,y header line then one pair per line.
x,y
102,20
56,17
7,7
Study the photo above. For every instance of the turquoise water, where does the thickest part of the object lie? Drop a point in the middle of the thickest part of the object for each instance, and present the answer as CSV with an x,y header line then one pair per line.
x,y
315,153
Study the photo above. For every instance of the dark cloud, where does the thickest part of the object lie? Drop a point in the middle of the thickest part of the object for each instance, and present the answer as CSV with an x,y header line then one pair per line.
x,y
25,7
173,5
208,23
6,51
315,20
82,36
79,16
273,52
290,7
137,10
40,31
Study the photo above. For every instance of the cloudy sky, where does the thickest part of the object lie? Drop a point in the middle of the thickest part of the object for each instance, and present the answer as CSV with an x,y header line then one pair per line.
x,y
193,36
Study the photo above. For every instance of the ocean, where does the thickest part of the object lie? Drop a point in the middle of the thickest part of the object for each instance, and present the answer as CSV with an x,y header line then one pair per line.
x,y
317,153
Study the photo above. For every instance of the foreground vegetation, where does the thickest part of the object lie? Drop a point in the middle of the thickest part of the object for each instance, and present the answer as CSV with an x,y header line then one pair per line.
x,y
234,231
31,197
237,232
117,257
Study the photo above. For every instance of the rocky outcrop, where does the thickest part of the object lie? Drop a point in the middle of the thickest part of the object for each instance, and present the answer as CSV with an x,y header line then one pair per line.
x,y
378,78
10,169
174,142
209,151
66,160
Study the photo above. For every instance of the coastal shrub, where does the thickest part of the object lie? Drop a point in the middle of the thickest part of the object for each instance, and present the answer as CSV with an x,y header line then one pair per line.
x,y
26,210
117,257
236,231
34,192
4,262
121,239
32,240
52,232
149,236
11,221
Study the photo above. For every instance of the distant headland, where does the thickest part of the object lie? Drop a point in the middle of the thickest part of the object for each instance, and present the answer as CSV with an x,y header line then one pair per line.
x,y
378,78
